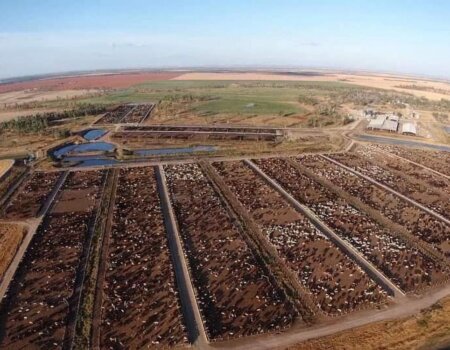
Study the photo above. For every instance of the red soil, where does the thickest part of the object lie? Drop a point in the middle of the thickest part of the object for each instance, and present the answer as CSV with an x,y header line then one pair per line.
x,y
107,81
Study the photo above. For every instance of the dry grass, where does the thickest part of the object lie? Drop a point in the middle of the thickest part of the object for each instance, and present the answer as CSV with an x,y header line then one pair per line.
x,y
5,165
10,238
244,76
14,143
427,330
8,99
381,81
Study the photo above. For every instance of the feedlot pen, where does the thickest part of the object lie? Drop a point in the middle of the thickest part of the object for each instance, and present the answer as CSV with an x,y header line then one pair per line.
x,y
256,263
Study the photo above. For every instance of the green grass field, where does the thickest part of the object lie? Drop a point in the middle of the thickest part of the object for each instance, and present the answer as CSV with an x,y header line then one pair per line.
x,y
246,106
227,97
306,103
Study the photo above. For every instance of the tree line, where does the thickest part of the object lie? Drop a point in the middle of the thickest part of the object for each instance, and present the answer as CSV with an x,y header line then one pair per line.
x,y
38,122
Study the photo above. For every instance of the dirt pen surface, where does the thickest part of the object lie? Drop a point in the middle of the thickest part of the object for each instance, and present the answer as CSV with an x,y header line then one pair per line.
x,y
411,267
35,313
141,306
257,264
373,240
11,179
31,195
431,197
235,295
10,238
94,81
129,113
337,284
406,168
436,160
414,220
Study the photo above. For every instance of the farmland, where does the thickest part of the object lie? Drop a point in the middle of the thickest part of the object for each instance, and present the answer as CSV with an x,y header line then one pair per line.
x,y
116,115
436,199
95,81
31,196
139,114
258,264
408,169
198,133
36,311
439,161
235,294
343,286
141,306
416,221
356,226
277,103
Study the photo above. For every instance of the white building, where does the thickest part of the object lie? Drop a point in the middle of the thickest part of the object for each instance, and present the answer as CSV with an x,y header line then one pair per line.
x,y
409,128
377,123
390,125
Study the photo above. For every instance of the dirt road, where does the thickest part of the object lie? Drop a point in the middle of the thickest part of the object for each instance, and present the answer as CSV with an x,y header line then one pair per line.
x,y
406,307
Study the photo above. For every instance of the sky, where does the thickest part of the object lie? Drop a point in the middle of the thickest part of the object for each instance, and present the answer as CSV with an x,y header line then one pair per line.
x,y
401,36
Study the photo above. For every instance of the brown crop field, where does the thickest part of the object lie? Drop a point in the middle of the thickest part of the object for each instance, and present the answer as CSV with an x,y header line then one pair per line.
x,y
235,294
95,81
141,306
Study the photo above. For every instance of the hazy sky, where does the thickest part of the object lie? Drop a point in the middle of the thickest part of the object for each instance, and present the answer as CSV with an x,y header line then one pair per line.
x,y
410,36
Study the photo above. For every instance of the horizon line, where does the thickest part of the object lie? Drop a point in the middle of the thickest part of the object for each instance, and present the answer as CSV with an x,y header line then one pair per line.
x,y
210,68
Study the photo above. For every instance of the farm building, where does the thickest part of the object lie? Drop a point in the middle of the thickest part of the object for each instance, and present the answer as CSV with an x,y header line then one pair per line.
x,y
409,128
390,125
383,122
377,123
393,117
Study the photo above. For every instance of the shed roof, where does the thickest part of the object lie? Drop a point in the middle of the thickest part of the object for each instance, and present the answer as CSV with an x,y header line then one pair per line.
x,y
390,125
409,127
376,123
